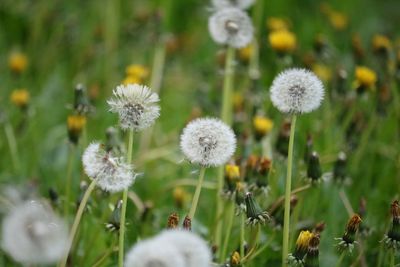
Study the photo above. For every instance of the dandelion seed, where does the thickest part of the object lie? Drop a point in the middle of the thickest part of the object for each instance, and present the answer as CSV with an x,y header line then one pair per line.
x,y
192,248
111,173
242,4
32,234
136,106
154,252
296,91
208,142
231,26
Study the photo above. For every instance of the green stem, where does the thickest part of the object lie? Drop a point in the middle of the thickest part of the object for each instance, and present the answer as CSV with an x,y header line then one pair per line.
x,y
155,85
226,116
231,215
123,208
392,258
12,143
339,262
68,180
196,196
286,224
242,232
77,220
101,260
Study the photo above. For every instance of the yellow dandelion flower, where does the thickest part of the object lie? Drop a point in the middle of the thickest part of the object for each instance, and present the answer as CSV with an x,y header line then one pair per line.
x,y
136,70
381,43
303,240
180,196
365,77
17,62
246,52
277,24
75,123
322,71
238,101
282,41
20,97
338,20
232,171
131,80
235,259
262,125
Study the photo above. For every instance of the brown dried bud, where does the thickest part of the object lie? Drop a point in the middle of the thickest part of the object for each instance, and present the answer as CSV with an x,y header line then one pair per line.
x,y
173,221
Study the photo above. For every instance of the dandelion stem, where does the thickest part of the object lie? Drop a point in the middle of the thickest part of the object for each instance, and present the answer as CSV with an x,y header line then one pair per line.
x,y
12,143
286,224
123,208
231,215
226,116
196,196
77,220
339,262
68,180
242,232
392,258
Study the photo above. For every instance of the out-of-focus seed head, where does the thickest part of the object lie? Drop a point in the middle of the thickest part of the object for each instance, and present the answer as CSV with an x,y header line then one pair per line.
x,y
242,4
231,26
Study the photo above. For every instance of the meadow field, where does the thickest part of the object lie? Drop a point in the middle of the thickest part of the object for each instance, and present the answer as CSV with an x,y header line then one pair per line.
x,y
88,83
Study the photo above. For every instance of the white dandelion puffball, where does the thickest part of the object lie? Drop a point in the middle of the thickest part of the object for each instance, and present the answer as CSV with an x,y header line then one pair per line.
x,y
242,4
33,234
136,106
296,91
231,26
194,249
111,173
208,142
154,253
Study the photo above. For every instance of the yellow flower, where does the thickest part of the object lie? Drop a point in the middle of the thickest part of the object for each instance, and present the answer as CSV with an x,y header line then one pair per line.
x,y
338,20
138,71
303,240
17,62
180,195
365,77
322,71
75,123
282,41
235,259
246,52
131,80
20,97
238,101
381,43
232,171
262,125
277,24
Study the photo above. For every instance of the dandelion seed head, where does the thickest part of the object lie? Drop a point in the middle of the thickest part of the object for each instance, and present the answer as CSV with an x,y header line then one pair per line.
x,y
111,173
231,26
136,106
296,91
208,142
194,249
32,234
242,4
154,253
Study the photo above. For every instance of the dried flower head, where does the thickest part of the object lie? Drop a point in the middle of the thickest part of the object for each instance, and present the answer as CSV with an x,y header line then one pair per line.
x,y
33,234
208,142
392,238
347,241
312,257
231,26
136,105
111,173
242,4
154,252
192,248
296,91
